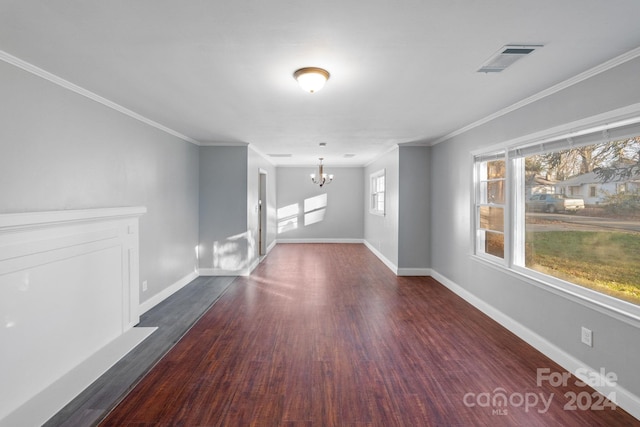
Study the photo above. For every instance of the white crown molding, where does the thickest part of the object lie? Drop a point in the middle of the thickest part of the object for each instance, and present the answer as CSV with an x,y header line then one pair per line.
x,y
315,165
414,144
605,66
617,117
261,154
381,155
30,68
223,144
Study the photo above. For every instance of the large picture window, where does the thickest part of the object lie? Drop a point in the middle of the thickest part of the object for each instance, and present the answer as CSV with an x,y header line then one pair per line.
x,y
573,213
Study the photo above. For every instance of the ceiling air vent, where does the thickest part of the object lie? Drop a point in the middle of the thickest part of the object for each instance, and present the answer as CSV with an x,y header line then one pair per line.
x,y
507,56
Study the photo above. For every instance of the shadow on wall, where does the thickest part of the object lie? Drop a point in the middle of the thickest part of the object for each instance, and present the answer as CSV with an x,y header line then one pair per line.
x,y
314,211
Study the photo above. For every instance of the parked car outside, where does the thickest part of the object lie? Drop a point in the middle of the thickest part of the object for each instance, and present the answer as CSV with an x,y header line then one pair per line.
x,y
554,203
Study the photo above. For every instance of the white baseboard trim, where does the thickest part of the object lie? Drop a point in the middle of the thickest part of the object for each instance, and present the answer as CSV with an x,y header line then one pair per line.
x,y
623,398
382,258
240,272
223,272
414,272
397,271
44,405
166,293
316,240
253,265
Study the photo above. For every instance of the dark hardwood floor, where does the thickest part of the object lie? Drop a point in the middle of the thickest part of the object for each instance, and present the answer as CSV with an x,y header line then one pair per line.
x,y
326,335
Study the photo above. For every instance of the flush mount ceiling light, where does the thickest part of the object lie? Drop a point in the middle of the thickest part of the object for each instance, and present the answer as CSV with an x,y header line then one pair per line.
x,y
321,178
311,79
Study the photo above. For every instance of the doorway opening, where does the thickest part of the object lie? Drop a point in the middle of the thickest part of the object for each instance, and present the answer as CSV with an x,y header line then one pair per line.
x,y
262,214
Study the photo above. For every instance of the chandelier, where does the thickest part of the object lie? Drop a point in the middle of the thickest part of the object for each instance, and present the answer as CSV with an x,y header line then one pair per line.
x,y
321,178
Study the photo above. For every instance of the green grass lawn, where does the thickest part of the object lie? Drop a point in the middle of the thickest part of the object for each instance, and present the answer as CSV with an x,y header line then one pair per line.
x,y
608,262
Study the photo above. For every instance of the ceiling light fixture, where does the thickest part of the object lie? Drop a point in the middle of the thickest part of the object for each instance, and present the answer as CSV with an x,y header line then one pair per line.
x,y
311,79
322,178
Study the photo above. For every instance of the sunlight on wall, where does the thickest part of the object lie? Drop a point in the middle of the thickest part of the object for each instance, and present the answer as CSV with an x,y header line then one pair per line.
x,y
197,260
317,202
288,218
462,223
231,254
313,217
314,209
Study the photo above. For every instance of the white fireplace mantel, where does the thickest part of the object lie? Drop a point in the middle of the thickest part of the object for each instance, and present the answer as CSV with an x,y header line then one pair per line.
x,y
68,291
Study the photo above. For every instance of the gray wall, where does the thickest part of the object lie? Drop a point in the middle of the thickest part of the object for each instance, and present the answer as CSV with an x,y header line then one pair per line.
x,y
60,150
381,232
341,218
224,236
552,317
414,240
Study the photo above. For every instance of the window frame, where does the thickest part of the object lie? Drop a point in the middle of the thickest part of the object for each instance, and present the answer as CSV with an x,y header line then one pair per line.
x,y
480,232
375,192
514,221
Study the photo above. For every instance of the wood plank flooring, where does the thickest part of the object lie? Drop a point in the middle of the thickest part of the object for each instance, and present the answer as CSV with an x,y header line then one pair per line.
x,y
326,335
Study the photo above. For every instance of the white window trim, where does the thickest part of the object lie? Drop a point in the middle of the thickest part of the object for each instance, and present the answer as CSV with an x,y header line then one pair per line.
x,y
476,195
512,263
372,206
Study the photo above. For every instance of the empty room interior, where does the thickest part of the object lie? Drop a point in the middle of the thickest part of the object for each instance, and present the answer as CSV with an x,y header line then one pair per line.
x,y
319,213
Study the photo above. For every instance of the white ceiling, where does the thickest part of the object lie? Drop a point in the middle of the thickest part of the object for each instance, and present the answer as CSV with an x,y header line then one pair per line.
x,y
402,71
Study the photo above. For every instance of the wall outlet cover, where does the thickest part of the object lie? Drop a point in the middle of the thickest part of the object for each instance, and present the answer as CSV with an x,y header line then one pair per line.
x,y
587,336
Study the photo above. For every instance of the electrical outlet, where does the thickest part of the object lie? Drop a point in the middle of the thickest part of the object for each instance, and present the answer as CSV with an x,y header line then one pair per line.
x,y
144,286
587,336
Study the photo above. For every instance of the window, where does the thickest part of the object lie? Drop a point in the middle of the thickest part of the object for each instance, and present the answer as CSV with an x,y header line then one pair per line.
x,y
566,213
490,204
622,187
377,193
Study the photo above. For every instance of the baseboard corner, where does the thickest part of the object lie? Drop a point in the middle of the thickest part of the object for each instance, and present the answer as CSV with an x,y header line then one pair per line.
x,y
166,292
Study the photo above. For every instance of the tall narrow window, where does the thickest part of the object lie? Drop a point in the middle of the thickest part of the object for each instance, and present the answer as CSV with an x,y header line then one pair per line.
x,y
490,204
377,193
